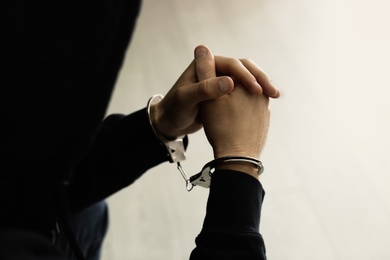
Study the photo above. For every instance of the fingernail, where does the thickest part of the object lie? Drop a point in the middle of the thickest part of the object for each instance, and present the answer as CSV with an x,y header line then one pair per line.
x,y
223,85
200,52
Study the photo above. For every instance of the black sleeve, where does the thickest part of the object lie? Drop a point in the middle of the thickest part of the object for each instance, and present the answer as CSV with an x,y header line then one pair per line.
x,y
124,148
231,226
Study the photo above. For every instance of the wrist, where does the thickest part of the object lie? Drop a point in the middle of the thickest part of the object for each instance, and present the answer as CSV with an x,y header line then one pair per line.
x,y
156,115
247,151
241,167
247,165
174,146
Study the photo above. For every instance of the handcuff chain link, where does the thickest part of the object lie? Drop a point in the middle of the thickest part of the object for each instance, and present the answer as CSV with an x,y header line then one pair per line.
x,y
189,185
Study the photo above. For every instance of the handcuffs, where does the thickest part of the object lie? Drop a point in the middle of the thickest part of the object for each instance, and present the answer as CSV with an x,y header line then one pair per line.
x,y
176,153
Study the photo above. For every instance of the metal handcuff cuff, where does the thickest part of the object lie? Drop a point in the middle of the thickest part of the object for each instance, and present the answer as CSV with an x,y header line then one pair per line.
x,y
176,153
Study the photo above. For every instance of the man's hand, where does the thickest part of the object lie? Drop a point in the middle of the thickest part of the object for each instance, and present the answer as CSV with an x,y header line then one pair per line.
x,y
243,71
177,113
236,124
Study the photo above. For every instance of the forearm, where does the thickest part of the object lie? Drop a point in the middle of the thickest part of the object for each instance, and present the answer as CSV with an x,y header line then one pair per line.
x,y
124,148
231,227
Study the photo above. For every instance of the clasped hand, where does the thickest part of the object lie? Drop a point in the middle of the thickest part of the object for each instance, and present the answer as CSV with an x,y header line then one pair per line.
x,y
229,97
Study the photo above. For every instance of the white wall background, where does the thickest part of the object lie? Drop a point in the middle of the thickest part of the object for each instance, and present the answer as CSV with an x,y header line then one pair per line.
x,y
327,172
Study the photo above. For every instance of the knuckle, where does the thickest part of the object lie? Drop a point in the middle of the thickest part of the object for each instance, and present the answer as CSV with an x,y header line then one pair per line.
x,y
202,89
236,61
233,62
246,61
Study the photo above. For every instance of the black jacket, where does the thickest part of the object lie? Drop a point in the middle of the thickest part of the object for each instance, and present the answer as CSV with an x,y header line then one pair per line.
x,y
61,61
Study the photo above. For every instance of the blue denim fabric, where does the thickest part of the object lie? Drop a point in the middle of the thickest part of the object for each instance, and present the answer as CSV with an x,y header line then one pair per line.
x,y
89,228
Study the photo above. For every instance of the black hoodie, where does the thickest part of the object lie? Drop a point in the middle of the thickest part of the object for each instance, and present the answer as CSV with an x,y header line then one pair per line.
x,y
60,63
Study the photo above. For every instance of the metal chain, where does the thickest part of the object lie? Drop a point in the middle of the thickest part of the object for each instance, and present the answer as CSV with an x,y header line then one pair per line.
x,y
189,185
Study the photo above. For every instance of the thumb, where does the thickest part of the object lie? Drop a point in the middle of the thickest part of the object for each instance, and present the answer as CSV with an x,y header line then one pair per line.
x,y
207,89
204,63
